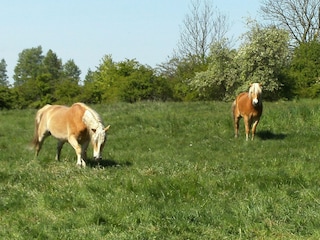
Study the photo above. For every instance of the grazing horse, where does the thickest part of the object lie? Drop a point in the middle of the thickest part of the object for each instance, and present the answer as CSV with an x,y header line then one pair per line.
x,y
248,105
77,125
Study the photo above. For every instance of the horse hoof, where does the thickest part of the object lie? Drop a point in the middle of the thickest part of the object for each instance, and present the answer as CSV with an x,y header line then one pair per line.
x,y
81,165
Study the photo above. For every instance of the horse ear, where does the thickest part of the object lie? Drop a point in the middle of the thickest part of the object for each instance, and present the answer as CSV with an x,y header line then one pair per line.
x,y
107,128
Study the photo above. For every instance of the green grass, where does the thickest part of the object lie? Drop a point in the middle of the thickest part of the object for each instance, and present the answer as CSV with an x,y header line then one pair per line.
x,y
169,171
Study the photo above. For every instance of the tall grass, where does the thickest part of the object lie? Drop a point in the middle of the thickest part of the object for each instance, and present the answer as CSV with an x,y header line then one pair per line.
x,y
170,171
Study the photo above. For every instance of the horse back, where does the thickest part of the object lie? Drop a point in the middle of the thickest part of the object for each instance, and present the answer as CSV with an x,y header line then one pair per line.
x,y
64,121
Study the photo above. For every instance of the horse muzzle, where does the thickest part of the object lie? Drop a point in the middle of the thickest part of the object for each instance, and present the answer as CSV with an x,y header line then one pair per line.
x,y
97,159
255,102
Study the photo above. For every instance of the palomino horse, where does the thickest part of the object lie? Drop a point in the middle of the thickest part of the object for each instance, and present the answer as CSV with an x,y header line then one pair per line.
x,y
77,125
249,106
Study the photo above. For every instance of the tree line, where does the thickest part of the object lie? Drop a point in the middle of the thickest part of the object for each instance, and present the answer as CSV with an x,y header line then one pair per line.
x,y
284,56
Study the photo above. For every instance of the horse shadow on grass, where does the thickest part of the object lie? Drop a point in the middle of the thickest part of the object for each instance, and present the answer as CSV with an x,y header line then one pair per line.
x,y
107,163
268,135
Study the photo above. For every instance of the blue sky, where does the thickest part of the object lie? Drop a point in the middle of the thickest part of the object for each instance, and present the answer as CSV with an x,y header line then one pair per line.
x,y
85,31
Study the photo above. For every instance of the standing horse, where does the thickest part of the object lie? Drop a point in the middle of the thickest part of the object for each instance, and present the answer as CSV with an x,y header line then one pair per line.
x,y
248,105
77,125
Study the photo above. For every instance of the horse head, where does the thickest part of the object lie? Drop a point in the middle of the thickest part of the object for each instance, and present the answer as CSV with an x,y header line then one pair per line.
x,y
97,132
98,140
255,93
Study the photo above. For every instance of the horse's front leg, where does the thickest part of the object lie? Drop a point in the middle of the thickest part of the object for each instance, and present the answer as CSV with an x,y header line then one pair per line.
x,y
254,127
77,147
84,148
59,147
247,126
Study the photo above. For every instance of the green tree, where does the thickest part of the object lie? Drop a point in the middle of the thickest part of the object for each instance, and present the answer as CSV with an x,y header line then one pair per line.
x,y
26,72
305,69
91,93
71,71
67,92
49,78
143,84
67,89
44,79
3,73
29,65
42,90
126,80
221,78
106,80
263,57
178,73
52,65
6,98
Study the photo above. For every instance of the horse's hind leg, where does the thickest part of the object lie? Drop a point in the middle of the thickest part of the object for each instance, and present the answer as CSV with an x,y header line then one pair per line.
x,y
39,141
236,119
236,126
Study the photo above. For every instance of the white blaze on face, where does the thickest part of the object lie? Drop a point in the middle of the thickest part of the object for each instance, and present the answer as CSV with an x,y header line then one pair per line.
x,y
98,133
98,138
255,101
254,93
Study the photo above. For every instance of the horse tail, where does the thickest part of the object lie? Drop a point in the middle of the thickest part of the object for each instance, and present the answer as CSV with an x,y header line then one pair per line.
x,y
35,140
233,107
37,120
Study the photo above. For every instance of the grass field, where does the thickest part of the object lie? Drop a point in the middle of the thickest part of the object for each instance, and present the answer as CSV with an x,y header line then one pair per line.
x,y
169,171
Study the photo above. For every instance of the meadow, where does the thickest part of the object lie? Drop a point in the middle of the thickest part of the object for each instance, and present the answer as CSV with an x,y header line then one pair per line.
x,y
169,171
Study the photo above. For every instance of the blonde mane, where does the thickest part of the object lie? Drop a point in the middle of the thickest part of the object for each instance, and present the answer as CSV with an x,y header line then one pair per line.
x,y
93,112
90,117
